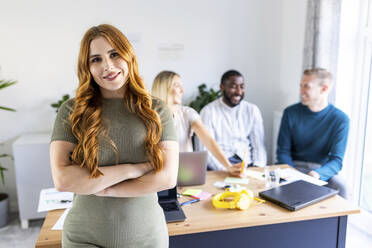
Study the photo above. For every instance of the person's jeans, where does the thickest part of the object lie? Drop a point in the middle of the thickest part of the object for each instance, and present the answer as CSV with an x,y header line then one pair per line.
x,y
236,160
334,182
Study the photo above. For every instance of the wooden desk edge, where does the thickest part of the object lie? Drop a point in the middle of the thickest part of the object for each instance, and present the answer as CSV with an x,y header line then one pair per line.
x,y
243,225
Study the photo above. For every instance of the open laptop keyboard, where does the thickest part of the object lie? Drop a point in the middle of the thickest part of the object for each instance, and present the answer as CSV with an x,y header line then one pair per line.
x,y
169,206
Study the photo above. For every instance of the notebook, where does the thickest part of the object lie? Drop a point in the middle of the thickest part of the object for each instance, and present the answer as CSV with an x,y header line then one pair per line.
x,y
172,209
192,168
298,194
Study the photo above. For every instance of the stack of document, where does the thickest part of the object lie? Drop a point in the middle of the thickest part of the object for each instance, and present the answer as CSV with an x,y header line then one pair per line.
x,y
291,175
51,199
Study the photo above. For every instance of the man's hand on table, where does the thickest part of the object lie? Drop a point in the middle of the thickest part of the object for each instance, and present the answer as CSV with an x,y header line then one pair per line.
x,y
314,174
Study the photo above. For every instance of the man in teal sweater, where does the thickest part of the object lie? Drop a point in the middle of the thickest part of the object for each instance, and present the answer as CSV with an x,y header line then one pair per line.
x,y
313,133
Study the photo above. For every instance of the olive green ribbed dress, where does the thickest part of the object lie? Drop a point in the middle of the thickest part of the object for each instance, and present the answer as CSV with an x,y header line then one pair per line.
x,y
116,221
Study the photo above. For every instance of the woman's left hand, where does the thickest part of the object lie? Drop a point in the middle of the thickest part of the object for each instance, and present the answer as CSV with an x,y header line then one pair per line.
x,y
235,170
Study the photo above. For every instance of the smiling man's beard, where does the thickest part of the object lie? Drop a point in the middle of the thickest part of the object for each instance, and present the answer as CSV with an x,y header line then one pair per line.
x,y
228,100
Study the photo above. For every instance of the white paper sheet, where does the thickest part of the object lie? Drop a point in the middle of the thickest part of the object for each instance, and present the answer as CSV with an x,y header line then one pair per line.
x,y
291,175
61,220
255,174
236,180
51,199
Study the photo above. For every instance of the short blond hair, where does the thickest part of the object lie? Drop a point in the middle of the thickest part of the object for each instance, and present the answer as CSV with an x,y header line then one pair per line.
x,y
324,76
162,85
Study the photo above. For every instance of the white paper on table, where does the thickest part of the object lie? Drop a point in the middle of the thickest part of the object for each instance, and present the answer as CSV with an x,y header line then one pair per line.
x,y
236,180
221,185
291,175
51,199
255,174
61,220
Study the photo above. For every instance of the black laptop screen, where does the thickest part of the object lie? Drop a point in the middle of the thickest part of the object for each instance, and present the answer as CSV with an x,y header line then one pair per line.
x,y
168,194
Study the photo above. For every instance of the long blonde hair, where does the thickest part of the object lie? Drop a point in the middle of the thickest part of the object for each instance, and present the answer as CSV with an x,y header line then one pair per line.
x,y
162,86
86,119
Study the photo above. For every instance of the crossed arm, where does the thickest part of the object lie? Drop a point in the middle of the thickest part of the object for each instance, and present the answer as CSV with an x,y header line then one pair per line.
x,y
70,177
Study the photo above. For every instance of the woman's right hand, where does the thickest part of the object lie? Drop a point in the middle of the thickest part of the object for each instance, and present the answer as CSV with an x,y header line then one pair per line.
x,y
137,170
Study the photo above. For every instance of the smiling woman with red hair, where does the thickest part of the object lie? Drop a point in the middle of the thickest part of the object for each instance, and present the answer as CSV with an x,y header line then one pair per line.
x,y
114,146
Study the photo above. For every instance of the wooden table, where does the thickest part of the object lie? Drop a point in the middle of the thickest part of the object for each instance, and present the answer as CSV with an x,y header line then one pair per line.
x,y
266,225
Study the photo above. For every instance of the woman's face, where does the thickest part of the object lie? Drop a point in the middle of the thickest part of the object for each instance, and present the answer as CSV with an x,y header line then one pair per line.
x,y
108,69
177,90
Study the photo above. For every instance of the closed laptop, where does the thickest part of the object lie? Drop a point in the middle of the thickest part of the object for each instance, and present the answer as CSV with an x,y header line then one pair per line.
x,y
297,195
192,168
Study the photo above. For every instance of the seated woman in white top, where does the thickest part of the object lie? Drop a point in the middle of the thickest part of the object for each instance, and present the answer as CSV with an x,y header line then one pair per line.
x,y
168,87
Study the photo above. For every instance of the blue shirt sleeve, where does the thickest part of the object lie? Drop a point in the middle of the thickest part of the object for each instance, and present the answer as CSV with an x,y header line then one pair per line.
x,y
337,151
283,152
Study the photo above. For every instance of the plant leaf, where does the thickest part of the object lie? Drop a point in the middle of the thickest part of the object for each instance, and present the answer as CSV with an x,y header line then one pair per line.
x,y
65,97
2,169
8,109
205,96
6,83
58,104
4,155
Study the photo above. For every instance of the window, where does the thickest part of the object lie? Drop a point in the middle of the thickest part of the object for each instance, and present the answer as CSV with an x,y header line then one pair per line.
x,y
354,96
365,198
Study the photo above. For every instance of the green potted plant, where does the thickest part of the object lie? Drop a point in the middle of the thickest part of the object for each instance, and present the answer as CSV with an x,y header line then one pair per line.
x,y
58,104
3,85
4,198
205,96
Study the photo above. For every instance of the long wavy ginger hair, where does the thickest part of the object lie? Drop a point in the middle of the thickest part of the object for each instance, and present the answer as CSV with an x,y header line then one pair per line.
x,y
86,116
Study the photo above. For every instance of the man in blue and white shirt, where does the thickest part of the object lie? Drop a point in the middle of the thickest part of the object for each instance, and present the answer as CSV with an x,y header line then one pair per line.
x,y
235,124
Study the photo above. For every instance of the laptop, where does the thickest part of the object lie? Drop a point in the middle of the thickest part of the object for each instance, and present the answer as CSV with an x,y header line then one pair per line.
x,y
192,168
172,209
297,195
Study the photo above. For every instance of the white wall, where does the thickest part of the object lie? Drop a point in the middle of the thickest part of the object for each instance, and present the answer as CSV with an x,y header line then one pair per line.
x,y
293,17
40,39
292,43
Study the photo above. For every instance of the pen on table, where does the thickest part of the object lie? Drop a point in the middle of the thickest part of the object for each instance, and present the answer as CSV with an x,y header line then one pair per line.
x,y
243,162
195,197
189,202
65,201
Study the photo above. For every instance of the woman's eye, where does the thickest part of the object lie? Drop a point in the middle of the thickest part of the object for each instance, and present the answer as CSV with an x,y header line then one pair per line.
x,y
114,55
95,59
